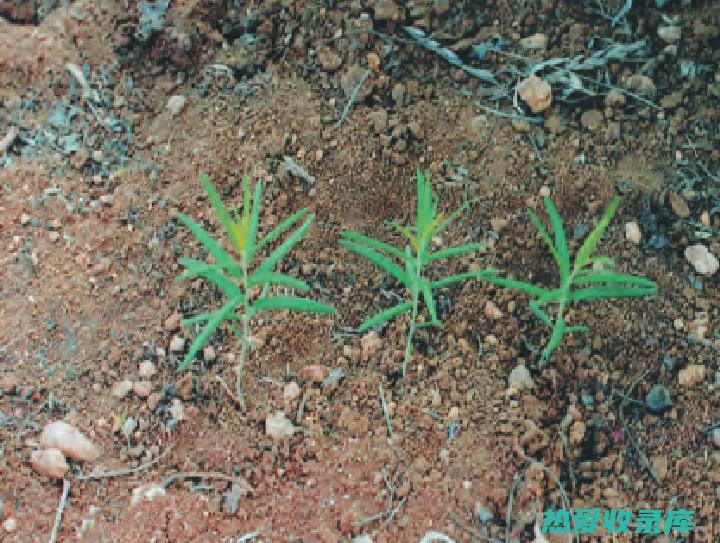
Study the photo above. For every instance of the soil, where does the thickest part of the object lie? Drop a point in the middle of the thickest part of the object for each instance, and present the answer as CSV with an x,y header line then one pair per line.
x,y
91,243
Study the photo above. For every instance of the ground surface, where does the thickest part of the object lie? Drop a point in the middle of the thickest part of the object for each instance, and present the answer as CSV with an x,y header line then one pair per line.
x,y
90,244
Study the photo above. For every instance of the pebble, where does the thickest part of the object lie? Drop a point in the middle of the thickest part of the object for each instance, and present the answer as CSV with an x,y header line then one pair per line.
x,y
691,375
632,232
715,436
154,400
658,399
387,10
142,388
25,219
615,98
520,378
492,311
454,413
592,119
314,372
209,353
10,383
536,42
10,525
702,259
640,84
172,323
177,344
678,205
278,426
177,410
370,344
660,465
71,441
669,34
175,104
49,462
121,389
291,391
536,93
147,493
577,432
147,369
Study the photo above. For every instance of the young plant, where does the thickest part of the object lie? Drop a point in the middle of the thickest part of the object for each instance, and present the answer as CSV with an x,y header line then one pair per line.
x,y
587,278
246,285
413,260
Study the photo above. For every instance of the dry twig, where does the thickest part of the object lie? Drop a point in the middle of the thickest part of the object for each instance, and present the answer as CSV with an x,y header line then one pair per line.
x,y
60,509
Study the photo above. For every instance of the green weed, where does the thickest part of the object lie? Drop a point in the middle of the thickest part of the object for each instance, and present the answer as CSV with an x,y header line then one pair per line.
x,y
414,260
579,281
236,280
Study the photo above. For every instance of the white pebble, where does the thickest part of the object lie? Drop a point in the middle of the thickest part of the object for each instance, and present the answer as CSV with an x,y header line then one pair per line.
x,y
702,260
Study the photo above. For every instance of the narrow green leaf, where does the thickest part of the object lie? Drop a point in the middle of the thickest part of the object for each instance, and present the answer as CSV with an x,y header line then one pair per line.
x,y
426,289
571,329
485,275
587,248
292,303
544,235
373,243
217,203
597,293
202,270
605,261
220,315
279,253
555,338
254,222
281,228
262,278
527,288
206,239
560,239
406,233
380,261
420,198
601,276
454,215
383,316
217,278
455,251
540,314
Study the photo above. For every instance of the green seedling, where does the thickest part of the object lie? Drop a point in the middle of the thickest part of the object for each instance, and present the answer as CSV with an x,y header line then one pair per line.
x,y
245,285
414,260
587,278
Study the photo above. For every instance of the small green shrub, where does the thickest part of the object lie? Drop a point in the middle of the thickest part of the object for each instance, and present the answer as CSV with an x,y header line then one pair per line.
x,y
579,281
236,280
414,260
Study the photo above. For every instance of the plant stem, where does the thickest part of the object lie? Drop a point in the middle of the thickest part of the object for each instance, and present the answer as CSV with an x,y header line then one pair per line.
x,y
411,333
245,339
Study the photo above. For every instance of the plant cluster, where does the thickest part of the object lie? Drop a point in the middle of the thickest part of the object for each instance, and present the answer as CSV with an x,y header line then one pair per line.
x,y
247,284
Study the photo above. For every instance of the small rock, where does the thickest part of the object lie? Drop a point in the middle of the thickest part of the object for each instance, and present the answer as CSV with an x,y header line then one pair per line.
x,y
184,387
363,538
520,378
615,98
121,389
25,219
71,441
278,426
659,464
176,104
177,410
715,436
678,205
592,119
10,525
387,10
536,93
291,391
53,236
702,260
536,42
10,383
172,323
328,59
177,344
492,311
632,232
147,493
640,84
142,388
671,101
370,344
154,400
49,462
373,61
691,375
209,353
669,34
576,432
147,369
314,372
454,413
658,399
